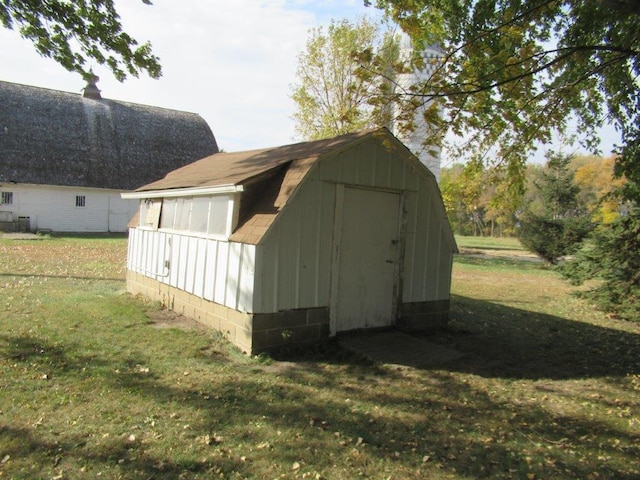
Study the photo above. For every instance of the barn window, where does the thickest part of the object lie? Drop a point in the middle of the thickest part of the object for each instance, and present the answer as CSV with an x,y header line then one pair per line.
x,y
6,198
81,201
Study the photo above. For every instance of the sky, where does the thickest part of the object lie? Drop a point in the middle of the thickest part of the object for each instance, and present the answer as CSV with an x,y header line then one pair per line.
x,y
232,62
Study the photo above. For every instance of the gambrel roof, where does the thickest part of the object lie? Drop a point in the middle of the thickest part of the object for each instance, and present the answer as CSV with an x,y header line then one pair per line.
x,y
269,176
240,168
49,137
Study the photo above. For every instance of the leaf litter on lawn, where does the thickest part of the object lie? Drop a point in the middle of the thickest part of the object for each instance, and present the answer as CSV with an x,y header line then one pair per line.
x,y
547,388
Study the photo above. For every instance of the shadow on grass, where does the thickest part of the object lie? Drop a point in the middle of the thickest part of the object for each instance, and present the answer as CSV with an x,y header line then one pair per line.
x,y
506,342
49,357
111,457
347,421
343,417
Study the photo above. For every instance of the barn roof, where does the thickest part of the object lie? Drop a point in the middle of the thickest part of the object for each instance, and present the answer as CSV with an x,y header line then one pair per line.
x,y
59,138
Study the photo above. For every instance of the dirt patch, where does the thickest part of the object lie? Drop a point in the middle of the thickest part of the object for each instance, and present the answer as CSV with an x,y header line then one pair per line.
x,y
164,318
506,254
21,236
393,347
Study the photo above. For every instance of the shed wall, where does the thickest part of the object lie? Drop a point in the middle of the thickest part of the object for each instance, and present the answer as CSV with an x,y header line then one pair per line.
x,y
294,258
293,264
54,208
216,270
428,246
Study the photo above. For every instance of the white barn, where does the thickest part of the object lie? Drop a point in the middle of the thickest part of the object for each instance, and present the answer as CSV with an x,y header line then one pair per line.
x,y
66,157
294,244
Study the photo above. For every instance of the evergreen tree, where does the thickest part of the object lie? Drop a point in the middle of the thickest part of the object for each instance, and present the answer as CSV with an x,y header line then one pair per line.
x,y
611,256
556,228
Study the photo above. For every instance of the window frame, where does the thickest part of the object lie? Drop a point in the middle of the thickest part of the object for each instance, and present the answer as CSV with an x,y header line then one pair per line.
x,y
4,196
227,204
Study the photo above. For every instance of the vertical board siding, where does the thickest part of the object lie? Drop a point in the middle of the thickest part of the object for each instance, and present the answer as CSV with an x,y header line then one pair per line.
x,y
287,267
429,233
428,253
54,208
409,267
233,275
218,271
222,263
200,267
294,257
210,270
247,276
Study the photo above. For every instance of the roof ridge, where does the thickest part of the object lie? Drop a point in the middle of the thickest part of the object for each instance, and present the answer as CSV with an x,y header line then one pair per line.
x,y
80,96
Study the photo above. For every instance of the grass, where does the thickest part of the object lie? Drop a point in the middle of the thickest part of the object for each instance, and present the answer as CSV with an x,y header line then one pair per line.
x,y
92,387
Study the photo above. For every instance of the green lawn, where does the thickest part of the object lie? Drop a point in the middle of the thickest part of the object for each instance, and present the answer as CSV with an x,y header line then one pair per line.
x,y
94,385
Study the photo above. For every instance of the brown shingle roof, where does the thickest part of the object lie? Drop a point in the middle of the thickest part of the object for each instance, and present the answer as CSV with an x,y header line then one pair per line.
x,y
241,167
256,218
269,176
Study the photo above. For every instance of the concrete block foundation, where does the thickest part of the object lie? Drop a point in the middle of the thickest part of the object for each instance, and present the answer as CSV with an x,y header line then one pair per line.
x,y
252,333
267,332
419,316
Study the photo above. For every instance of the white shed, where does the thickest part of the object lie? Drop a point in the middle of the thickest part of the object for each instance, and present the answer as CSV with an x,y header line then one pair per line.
x,y
294,244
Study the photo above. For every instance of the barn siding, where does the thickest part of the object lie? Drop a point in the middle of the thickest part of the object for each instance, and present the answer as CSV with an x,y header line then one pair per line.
x,y
54,208
215,270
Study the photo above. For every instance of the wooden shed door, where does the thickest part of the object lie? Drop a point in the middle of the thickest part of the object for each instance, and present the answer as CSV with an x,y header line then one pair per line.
x,y
365,259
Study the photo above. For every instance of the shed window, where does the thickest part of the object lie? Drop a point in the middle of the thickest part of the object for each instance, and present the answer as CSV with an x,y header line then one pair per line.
x,y
150,213
218,215
81,201
208,215
168,213
6,198
183,213
199,214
